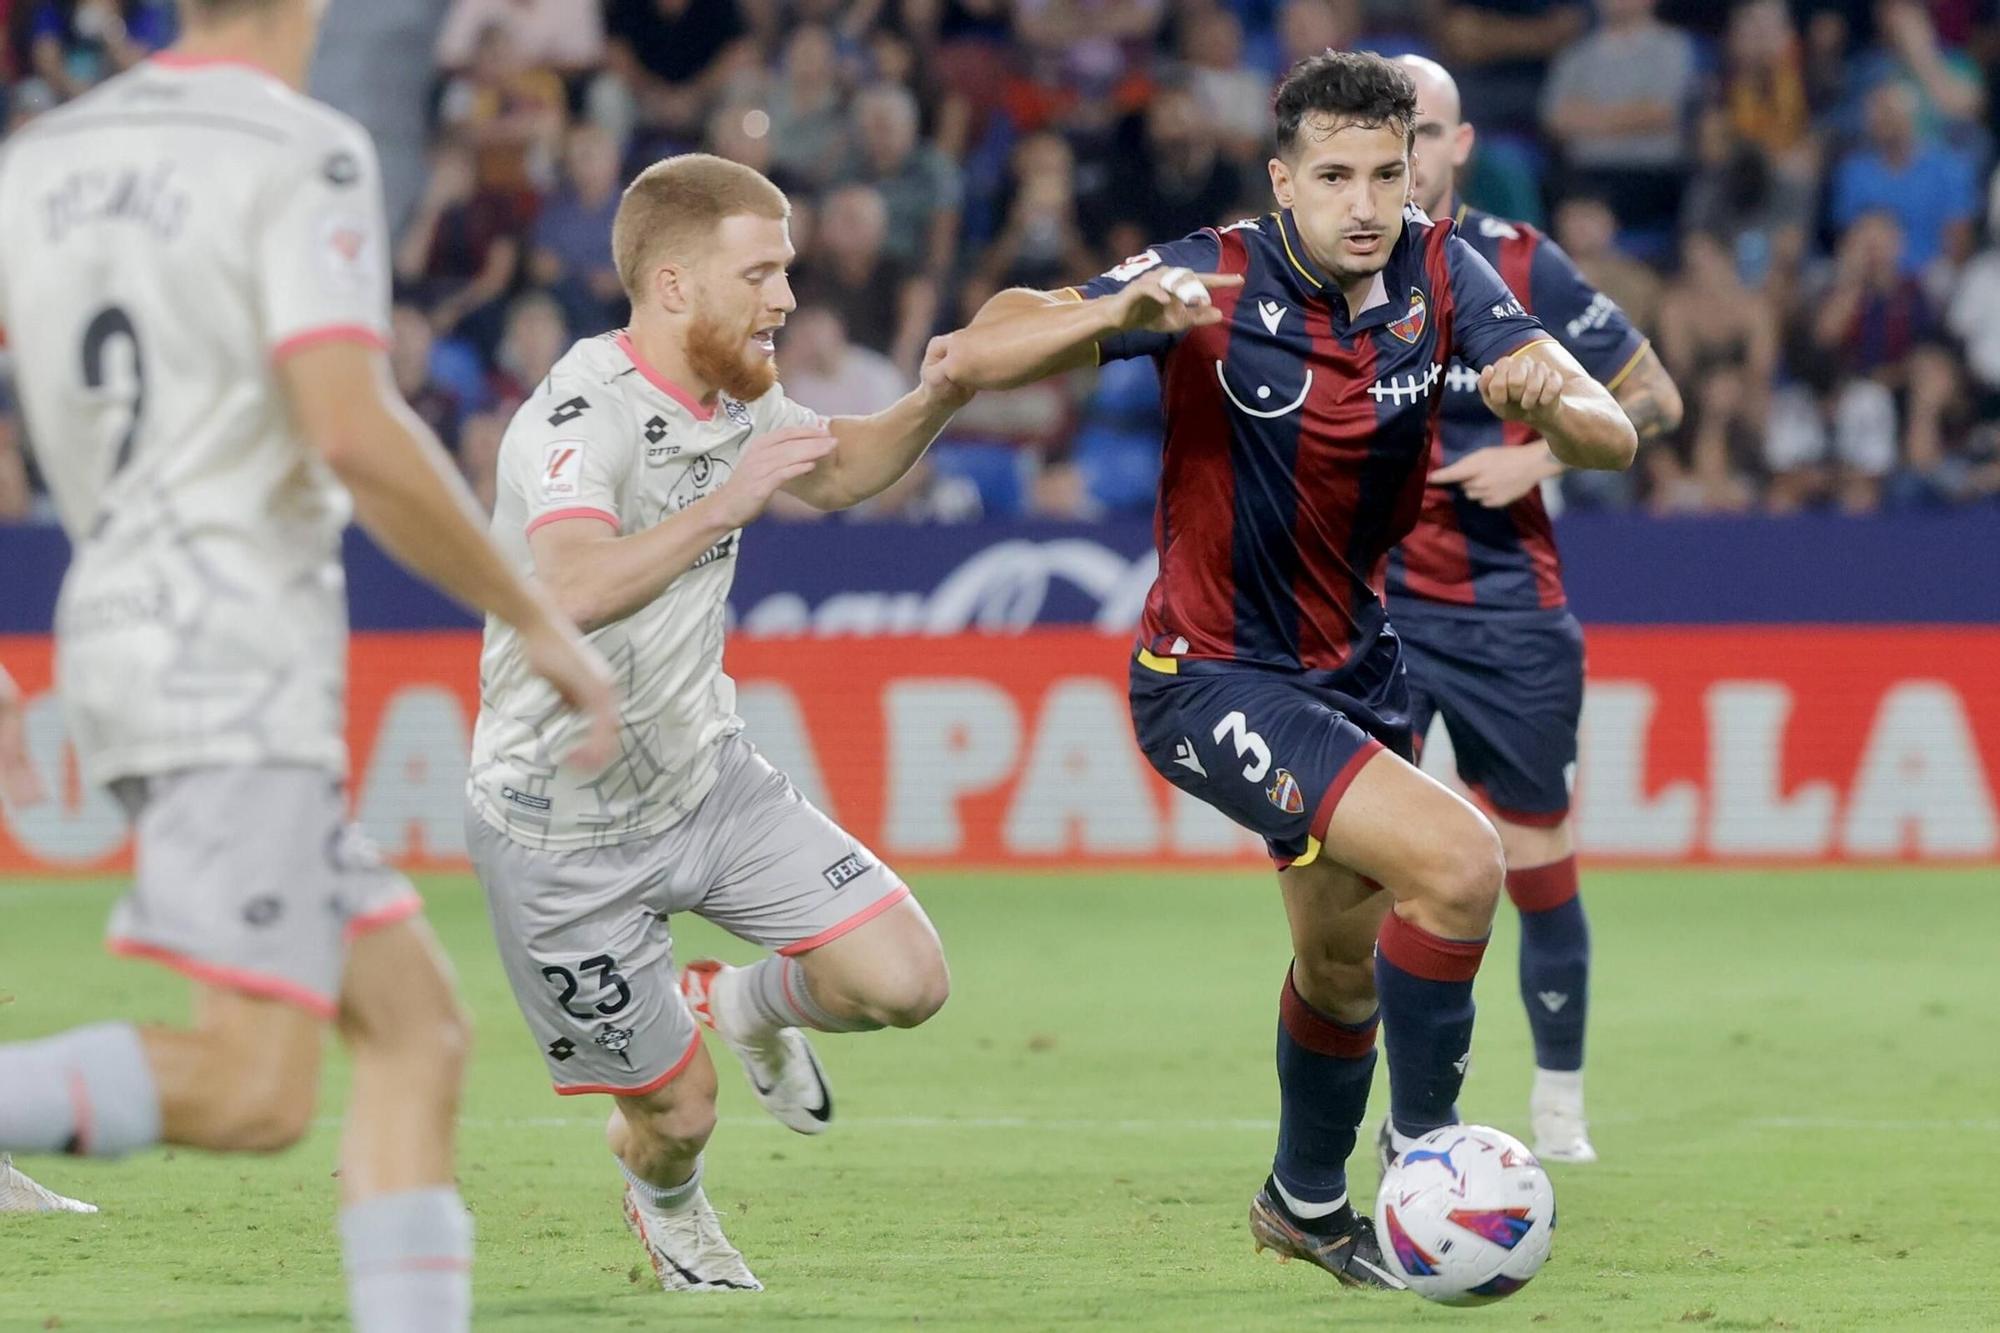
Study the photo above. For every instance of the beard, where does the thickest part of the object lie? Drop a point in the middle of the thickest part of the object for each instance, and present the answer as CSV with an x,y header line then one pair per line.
x,y
720,354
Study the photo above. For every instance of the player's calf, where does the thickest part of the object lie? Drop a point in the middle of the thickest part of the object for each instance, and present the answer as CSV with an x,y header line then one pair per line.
x,y
1443,862
657,1137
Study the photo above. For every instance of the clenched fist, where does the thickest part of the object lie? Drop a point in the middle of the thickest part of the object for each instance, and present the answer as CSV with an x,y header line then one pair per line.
x,y
1521,388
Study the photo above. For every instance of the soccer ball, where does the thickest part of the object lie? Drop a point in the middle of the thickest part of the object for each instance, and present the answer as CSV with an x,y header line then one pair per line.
x,y
1466,1215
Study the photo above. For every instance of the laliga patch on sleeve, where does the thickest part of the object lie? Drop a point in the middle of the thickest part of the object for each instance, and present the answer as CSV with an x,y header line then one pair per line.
x,y
1134,266
562,470
344,249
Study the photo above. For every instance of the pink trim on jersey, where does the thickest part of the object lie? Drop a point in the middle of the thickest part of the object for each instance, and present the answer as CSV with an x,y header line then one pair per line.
x,y
226,978
175,58
400,910
575,511
659,381
860,918
687,1058
351,333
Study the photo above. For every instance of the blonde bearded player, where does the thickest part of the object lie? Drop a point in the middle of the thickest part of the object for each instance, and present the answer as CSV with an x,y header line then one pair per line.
x,y
623,483
196,295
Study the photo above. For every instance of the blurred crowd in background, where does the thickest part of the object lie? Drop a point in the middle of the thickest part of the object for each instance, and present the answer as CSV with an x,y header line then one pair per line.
x,y
1794,200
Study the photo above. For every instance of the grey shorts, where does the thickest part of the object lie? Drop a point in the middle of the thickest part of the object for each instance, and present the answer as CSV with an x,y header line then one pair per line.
x,y
251,878
584,934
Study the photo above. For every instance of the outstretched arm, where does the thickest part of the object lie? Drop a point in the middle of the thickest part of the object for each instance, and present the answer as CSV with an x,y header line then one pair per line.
x,y
872,453
1021,335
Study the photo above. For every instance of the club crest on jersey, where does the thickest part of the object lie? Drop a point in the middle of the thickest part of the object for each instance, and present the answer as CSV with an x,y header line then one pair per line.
x,y
1411,326
1285,794
562,470
735,411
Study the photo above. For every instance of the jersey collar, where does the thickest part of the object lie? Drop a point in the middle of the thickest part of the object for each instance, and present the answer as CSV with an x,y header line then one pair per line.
x,y
176,59
1388,298
659,381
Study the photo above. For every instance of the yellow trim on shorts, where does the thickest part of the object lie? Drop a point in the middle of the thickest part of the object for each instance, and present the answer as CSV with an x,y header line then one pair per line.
x,y
1645,346
1311,855
1166,666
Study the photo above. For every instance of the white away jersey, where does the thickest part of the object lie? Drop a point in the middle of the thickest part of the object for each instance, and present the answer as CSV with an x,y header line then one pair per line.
x,y
605,437
163,240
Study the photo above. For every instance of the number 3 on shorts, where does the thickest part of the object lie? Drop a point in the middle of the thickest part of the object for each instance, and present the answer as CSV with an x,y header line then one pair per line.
x,y
1236,728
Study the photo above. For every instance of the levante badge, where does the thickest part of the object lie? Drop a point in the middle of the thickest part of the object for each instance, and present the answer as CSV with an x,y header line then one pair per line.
x,y
1284,793
1411,326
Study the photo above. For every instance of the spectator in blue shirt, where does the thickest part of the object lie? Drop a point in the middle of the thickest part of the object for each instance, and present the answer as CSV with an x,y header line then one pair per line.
x,y
1927,187
77,43
571,248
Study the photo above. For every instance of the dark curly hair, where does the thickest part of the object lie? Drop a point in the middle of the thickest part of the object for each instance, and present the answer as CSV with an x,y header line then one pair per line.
x,y
1351,85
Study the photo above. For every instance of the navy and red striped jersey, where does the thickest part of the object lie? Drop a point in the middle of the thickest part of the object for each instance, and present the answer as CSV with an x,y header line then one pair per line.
x,y
1297,439
1462,552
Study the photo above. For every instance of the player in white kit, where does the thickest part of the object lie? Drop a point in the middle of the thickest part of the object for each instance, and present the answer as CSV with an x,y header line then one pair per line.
x,y
624,482
195,290
21,785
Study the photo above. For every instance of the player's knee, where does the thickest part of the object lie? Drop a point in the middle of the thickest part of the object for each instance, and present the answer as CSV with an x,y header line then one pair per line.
x,y
906,996
675,1124
1468,875
441,1044
1331,980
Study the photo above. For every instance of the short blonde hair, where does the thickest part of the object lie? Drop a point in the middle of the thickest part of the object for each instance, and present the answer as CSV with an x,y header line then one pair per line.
x,y
676,204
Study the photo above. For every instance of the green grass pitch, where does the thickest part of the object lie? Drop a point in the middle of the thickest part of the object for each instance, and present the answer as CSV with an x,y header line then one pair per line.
x,y
1793,1083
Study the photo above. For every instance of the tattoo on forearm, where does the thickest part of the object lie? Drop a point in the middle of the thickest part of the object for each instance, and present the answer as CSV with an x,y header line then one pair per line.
x,y
1644,396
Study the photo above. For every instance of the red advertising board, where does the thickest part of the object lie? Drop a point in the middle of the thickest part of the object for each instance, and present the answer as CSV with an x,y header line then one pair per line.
x,y
1752,745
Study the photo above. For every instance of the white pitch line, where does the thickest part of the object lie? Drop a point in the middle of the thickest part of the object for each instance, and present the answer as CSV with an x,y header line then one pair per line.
x,y
1165,1125
1986,1125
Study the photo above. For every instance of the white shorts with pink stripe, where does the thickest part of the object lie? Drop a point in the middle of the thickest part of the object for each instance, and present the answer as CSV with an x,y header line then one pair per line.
x,y
584,934
251,878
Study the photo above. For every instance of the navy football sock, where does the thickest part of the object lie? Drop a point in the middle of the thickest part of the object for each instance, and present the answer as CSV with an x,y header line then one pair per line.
x,y
1555,960
1324,1069
1426,987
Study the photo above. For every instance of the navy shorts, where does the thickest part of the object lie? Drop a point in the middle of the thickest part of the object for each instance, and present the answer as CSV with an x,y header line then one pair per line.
x,y
1273,750
1510,686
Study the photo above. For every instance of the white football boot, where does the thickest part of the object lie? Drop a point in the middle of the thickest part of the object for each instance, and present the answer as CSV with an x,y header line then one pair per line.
x,y
1555,1109
688,1250
18,1194
783,1071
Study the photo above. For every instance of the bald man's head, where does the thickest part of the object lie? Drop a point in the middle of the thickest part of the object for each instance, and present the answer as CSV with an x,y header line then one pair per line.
x,y
1443,139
